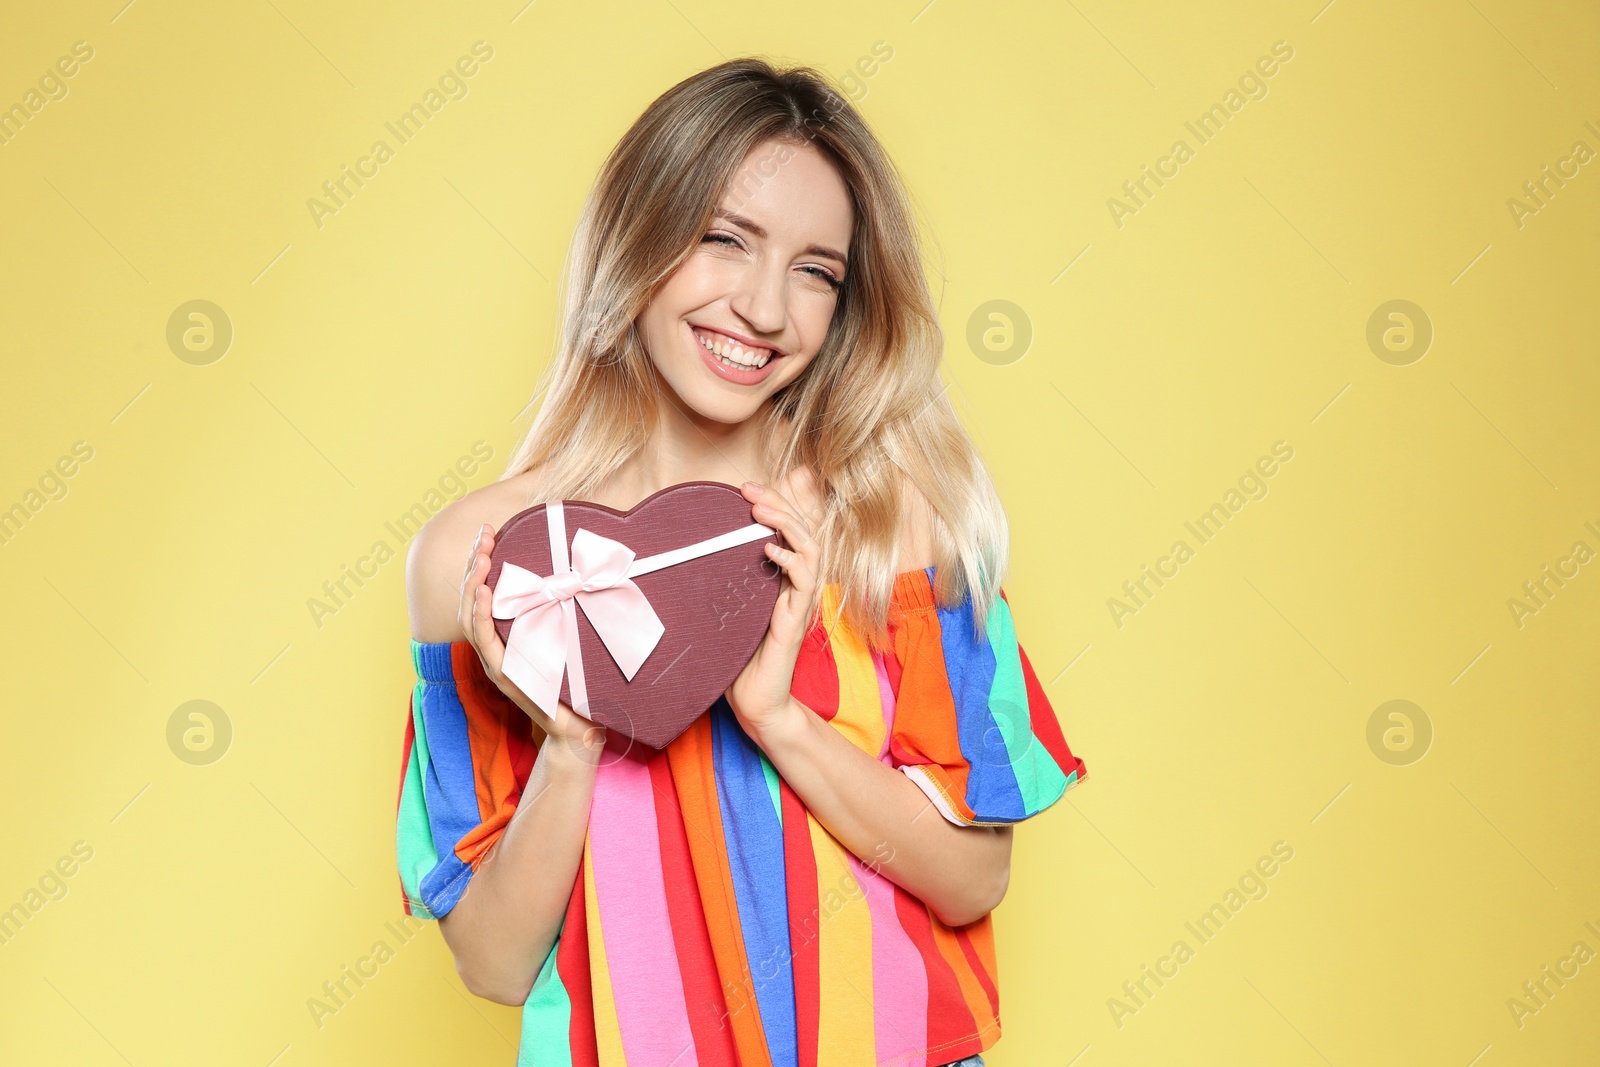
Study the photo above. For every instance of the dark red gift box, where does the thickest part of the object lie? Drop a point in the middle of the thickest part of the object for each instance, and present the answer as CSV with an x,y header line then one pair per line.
x,y
710,612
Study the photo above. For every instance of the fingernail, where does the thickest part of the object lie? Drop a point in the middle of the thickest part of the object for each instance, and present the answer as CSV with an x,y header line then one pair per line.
x,y
753,487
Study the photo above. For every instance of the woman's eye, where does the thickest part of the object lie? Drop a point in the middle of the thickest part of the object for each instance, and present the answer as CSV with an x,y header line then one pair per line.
x,y
729,241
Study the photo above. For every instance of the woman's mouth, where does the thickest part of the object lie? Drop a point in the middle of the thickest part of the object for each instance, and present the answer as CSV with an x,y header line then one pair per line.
x,y
732,361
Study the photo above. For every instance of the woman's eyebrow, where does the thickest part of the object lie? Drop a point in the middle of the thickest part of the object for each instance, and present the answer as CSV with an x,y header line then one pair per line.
x,y
760,231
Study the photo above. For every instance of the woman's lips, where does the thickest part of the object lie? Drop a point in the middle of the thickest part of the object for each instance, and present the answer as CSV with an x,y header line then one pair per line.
x,y
736,375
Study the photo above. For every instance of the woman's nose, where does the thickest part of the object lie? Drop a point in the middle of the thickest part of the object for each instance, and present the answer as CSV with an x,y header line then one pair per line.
x,y
761,297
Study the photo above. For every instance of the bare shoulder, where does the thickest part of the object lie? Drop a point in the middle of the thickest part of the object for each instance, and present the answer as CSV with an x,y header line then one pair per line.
x,y
437,558
916,529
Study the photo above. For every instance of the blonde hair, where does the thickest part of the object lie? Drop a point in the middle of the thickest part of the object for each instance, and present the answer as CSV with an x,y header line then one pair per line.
x,y
867,415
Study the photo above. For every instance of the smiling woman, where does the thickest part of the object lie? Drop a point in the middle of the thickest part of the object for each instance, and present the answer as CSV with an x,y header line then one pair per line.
x,y
804,876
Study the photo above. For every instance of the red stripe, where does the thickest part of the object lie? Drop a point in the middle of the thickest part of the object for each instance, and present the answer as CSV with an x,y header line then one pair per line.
x,y
800,867
702,989
949,1018
694,776
978,969
405,765
891,662
405,756
1042,719
816,676
572,964
523,751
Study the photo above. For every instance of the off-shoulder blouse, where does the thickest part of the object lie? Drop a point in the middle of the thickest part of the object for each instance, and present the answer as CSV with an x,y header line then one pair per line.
x,y
713,920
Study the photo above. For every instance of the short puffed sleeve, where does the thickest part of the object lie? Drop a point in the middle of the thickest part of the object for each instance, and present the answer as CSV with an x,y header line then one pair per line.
x,y
971,723
467,753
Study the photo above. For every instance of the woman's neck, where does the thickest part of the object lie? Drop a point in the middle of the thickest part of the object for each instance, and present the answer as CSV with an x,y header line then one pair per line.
x,y
686,448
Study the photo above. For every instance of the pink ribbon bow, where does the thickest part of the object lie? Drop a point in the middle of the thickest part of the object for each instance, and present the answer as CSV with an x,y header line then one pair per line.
x,y
543,642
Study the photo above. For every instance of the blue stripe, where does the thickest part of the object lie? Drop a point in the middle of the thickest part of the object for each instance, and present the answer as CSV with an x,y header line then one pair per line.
x,y
442,887
433,661
448,787
992,790
754,840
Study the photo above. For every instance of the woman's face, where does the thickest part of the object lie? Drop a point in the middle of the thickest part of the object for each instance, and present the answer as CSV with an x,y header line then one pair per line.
x,y
760,288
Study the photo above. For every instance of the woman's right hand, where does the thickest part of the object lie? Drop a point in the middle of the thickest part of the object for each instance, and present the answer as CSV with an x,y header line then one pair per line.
x,y
580,737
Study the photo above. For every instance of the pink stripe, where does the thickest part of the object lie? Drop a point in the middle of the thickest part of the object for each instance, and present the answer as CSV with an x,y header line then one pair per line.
x,y
645,981
899,978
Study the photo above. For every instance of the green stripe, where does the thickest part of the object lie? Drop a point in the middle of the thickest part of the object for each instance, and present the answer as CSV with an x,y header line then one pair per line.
x,y
771,774
1039,779
414,848
547,1017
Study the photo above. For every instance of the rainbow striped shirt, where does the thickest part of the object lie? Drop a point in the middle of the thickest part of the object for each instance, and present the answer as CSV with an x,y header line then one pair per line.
x,y
713,921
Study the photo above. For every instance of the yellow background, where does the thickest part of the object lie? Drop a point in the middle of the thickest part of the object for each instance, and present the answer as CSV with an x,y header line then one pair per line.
x,y
1230,312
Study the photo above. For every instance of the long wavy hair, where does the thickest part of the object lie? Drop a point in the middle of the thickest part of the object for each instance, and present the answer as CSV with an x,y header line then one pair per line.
x,y
867,416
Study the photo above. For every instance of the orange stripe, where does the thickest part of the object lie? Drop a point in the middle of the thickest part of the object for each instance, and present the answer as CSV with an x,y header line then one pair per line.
x,y
982,970
981,934
690,757
925,708
972,990
493,777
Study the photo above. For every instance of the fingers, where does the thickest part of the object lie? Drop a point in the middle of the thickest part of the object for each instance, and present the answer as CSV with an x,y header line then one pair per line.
x,y
464,609
795,495
472,555
473,588
800,554
801,492
484,636
799,570
770,511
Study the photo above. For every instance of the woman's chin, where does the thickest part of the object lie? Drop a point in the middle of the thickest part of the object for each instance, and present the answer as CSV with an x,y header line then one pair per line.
x,y
730,411
710,400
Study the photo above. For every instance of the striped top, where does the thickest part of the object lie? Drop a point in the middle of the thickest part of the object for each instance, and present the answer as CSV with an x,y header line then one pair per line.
x,y
713,921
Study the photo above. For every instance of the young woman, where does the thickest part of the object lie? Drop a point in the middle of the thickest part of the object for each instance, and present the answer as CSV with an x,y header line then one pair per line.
x,y
804,877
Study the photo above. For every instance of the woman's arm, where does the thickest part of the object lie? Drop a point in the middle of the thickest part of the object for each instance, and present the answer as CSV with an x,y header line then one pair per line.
x,y
961,872
502,928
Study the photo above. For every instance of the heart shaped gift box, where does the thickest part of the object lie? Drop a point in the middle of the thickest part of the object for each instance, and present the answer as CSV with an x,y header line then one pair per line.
x,y
653,612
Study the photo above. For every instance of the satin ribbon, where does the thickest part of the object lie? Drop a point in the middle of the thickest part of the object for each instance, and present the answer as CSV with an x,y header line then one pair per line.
x,y
543,643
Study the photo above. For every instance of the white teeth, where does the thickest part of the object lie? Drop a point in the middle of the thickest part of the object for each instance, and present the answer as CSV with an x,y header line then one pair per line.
x,y
734,354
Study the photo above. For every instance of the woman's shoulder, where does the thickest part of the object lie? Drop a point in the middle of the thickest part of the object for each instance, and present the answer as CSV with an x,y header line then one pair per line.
x,y
437,557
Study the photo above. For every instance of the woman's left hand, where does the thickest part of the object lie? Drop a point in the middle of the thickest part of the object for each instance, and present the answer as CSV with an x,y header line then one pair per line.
x,y
760,696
